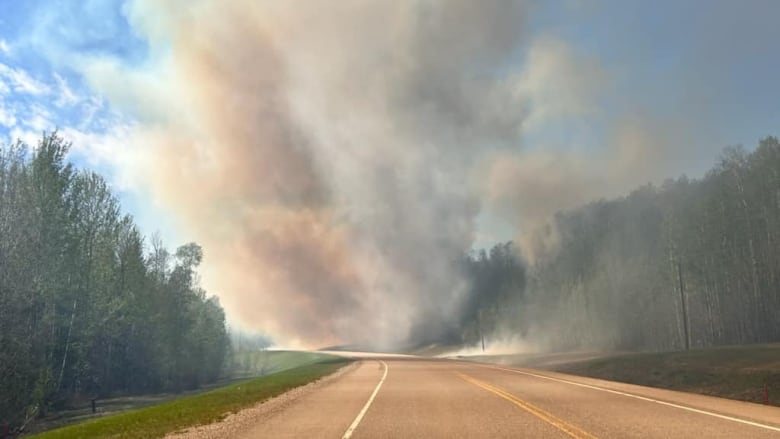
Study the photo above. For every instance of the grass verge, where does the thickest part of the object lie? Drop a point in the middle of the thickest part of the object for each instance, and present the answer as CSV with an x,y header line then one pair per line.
x,y
256,363
735,372
156,421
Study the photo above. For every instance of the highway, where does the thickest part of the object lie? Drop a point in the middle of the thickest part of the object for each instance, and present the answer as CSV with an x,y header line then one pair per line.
x,y
410,397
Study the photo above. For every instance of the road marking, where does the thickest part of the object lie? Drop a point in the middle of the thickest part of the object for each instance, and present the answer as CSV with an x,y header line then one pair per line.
x,y
351,429
643,398
560,424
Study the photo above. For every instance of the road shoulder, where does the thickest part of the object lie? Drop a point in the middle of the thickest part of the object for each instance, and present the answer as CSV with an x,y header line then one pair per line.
x,y
247,418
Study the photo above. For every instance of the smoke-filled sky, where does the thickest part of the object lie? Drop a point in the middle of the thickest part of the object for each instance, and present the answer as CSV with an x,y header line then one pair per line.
x,y
335,158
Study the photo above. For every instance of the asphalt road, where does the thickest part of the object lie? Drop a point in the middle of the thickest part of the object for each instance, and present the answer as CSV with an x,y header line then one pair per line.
x,y
409,397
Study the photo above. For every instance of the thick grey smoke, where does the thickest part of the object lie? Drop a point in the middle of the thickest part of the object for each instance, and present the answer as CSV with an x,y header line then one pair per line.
x,y
333,157
324,152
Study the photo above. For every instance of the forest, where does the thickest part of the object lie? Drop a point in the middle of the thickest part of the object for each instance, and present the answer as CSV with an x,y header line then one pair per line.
x,y
88,306
692,263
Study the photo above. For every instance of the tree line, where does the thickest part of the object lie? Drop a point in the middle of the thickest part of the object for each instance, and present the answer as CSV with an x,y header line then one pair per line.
x,y
89,307
694,262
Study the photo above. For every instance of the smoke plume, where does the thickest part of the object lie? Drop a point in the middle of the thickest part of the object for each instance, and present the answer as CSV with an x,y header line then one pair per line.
x,y
333,157
322,153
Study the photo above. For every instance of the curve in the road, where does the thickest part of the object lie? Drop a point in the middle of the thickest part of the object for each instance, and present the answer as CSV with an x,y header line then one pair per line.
x,y
359,417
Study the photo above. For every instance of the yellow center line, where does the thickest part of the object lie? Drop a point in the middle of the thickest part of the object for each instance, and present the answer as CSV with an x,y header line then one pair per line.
x,y
571,430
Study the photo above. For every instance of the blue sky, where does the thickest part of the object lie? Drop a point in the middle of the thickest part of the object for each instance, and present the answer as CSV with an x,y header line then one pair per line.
x,y
41,44
42,47
714,62
711,66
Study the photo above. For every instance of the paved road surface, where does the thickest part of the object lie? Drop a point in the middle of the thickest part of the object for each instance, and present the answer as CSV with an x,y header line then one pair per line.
x,y
408,397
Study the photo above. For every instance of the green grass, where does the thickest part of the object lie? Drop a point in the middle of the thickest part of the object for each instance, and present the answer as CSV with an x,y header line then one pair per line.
x,y
156,421
254,363
736,372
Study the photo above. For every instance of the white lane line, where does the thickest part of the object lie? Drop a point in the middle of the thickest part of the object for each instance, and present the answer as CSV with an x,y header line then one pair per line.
x,y
351,429
643,398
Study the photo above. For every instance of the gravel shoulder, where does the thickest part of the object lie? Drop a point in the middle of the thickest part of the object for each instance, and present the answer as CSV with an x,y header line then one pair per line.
x,y
245,419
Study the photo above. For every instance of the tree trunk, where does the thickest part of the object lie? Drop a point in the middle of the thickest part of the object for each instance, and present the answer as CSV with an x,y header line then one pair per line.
x,y
67,345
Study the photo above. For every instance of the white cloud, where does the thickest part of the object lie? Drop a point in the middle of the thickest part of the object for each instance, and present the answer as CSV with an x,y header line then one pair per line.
x,y
90,107
22,82
39,119
4,48
112,148
66,96
7,115
27,136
